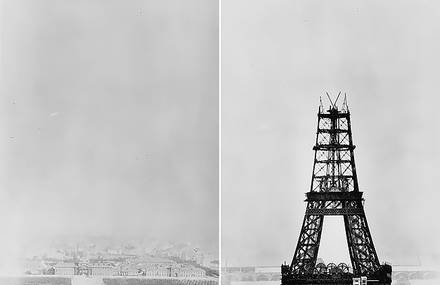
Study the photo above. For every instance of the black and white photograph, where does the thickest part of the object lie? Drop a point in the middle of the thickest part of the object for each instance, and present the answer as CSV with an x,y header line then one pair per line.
x,y
219,142
109,142
329,142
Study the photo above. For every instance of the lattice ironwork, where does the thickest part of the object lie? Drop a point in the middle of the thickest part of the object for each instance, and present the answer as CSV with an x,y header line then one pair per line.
x,y
334,190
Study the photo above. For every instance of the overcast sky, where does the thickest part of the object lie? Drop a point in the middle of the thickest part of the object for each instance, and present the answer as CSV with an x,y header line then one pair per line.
x,y
109,115
278,57
109,119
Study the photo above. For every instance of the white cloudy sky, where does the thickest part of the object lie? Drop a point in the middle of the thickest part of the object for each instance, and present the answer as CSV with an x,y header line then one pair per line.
x,y
109,119
278,57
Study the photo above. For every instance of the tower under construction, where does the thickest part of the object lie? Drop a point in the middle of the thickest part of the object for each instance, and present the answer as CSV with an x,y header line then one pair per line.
x,y
334,190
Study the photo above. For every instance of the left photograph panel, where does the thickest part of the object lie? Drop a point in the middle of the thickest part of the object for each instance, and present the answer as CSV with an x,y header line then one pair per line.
x,y
109,134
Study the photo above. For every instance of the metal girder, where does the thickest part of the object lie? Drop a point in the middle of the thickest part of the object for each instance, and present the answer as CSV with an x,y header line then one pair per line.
x,y
330,115
333,146
336,177
322,131
334,196
334,212
326,161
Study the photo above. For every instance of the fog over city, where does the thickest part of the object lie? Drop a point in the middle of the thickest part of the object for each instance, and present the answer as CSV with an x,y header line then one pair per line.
x,y
277,60
108,121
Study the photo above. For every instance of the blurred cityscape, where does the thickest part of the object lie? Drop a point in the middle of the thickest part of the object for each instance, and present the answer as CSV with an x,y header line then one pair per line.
x,y
104,256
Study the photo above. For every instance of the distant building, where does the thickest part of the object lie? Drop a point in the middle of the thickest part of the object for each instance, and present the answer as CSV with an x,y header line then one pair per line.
x,y
184,270
64,268
153,260
157,271
128,270
102,269
198,257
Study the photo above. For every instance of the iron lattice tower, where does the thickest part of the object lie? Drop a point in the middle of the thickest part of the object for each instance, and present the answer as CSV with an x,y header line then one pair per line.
x,y
334,191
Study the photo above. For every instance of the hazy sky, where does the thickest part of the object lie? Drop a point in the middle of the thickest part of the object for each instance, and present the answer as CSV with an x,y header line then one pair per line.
x,y
278,57
109,119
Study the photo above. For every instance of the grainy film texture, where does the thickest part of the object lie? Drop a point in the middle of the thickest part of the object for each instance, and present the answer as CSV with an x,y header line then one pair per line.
x,y
109,142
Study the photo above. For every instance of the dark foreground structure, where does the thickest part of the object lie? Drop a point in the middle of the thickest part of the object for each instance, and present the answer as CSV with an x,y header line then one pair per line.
x,y
334,191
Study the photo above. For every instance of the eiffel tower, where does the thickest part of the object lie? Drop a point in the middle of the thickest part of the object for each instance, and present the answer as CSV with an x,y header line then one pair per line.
x,y
334,190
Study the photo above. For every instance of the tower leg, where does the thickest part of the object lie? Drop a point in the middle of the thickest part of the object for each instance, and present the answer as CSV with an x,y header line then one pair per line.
x,y
306,252
362,253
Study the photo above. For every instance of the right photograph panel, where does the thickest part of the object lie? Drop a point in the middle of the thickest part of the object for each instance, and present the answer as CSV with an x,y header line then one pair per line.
x,y
329,142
